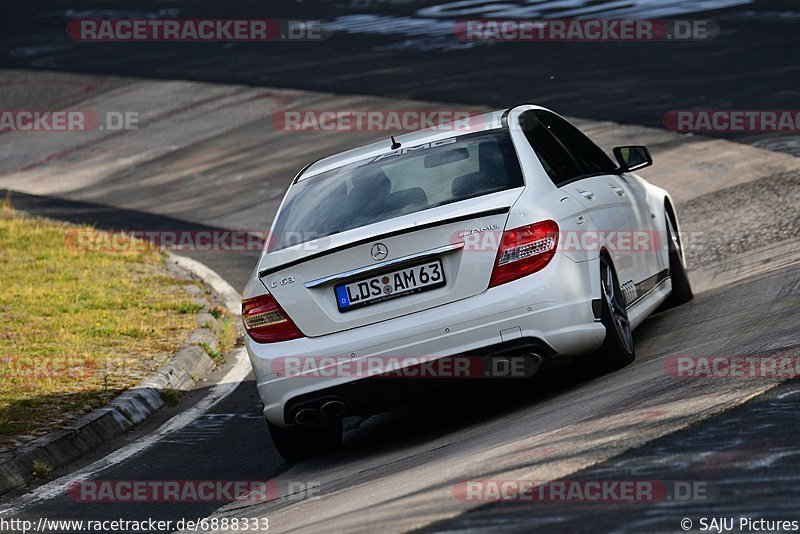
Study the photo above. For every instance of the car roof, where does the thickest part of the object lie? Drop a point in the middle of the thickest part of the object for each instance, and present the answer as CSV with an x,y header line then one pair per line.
x,y
477,123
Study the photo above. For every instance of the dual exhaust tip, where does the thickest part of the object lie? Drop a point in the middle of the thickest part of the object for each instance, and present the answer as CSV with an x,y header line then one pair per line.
x,y
329,409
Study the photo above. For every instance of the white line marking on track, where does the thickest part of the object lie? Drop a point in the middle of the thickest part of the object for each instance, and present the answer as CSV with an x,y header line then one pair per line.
x,y
240,370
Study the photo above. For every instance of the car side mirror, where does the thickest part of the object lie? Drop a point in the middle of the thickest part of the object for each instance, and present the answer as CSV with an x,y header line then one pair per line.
x,y
631,158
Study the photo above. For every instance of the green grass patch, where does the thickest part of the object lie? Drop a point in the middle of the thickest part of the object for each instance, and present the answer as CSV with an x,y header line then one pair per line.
x,y
41,469
171,396
79,326
188,308
215,355
228,333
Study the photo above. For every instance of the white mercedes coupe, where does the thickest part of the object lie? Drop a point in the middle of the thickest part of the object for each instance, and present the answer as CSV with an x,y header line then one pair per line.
x,y
514,236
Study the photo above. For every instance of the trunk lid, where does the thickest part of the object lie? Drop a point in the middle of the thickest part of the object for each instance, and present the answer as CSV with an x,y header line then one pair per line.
x,y
463,236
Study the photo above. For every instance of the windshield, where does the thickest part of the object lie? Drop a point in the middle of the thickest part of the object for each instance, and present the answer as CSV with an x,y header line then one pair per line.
x,y
397,183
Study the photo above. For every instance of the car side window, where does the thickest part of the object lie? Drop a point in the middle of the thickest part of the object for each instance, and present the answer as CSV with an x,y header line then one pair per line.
x,y
590,157
557,162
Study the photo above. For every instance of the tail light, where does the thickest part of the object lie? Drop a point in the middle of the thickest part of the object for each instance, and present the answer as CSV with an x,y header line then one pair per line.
x,y
524,251
266,322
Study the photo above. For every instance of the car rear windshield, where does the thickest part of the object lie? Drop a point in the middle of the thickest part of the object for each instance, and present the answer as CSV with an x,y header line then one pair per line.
x,y
397,183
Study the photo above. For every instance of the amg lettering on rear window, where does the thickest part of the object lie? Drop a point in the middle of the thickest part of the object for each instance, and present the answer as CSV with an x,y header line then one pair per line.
x,y
406,150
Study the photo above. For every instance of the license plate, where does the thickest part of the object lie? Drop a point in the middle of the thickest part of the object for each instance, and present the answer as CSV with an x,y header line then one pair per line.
x,y
390,285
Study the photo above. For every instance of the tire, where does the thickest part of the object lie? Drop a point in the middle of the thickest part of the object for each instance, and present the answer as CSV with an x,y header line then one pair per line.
x,y
681,288
617,349
302,442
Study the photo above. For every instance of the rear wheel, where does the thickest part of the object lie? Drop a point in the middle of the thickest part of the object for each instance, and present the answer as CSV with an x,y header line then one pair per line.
x,y
300,442
617,350
681,289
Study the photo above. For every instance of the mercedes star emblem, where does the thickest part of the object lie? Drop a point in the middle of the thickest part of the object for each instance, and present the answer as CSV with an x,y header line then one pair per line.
x,y
379,251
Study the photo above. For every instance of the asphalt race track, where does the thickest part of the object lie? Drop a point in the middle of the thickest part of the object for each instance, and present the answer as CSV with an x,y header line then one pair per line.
x,y
400,471
406,49
546,429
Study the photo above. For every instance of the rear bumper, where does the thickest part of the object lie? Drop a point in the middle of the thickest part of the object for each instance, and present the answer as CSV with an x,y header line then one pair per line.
x,y
553,306
379,393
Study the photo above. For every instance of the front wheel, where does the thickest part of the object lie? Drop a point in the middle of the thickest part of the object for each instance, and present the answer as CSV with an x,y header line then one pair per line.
x,y
302,442
617,350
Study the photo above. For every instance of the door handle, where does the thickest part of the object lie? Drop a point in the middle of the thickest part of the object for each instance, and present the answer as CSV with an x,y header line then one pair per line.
x,y
586,194
618,190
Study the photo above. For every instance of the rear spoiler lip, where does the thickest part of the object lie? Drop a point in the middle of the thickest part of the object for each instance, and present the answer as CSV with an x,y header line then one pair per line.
x,y
401,231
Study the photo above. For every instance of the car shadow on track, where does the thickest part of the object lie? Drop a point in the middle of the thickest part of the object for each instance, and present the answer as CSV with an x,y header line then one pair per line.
x,y
458,407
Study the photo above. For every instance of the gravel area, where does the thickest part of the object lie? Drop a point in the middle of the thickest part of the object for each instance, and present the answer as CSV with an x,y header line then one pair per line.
x,y
741,218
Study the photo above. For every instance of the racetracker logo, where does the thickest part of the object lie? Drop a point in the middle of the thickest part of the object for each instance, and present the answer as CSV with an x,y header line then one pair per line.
x,y
734,367
527,30
37,120
191,491
376,120
211,241
29,370
185,491
733,120
205,30
604,491
425,367
485,239
180,240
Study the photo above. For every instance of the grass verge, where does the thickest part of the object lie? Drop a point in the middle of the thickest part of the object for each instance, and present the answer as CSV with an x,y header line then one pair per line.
x,y
77,327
